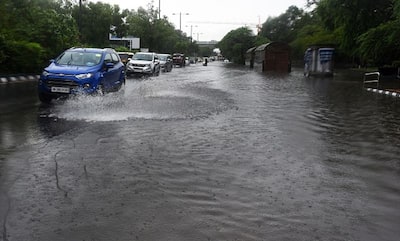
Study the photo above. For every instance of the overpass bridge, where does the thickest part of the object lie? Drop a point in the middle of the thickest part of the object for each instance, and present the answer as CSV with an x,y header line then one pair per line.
x,y
209,44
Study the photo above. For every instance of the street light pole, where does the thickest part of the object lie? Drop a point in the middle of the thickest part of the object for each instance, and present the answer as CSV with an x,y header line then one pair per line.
x,y
180,19
198,36
191,31
159,9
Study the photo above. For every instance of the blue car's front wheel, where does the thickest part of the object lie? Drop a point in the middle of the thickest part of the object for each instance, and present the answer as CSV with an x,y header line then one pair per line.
x,y
100,89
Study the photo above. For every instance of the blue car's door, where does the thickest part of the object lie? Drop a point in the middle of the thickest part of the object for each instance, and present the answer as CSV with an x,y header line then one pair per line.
x,y
119,68
111,72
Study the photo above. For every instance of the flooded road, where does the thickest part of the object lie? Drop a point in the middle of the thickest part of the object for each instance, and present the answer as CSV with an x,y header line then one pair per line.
x,y
202,153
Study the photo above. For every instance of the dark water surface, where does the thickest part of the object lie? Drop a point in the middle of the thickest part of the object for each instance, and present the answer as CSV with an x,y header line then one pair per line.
x,y
202,153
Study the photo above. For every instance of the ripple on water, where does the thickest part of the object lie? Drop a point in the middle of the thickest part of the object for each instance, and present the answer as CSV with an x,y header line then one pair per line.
x,y
280,158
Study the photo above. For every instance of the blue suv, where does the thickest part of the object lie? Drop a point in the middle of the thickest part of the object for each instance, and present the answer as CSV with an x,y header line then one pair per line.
x,y
82,70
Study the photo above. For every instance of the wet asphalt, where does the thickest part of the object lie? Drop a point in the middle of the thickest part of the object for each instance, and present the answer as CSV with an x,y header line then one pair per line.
x,y
215,152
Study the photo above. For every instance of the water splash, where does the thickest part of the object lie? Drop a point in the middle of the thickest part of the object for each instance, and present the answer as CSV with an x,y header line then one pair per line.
x,y
154,98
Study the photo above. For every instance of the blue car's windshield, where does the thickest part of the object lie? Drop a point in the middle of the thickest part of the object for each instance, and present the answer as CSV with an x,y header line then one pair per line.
x,y
79,58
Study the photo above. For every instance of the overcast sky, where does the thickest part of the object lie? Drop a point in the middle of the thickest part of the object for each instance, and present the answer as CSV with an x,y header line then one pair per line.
x,y
213,19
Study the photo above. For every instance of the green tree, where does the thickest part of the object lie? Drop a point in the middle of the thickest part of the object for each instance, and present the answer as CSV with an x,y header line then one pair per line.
x,y
284,27
380,45
157,35
44,28
355,18
95,20
314,34
235,44
259,40
140,25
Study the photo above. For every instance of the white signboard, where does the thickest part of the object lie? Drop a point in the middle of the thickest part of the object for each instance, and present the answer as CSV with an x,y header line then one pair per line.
x,y
134,42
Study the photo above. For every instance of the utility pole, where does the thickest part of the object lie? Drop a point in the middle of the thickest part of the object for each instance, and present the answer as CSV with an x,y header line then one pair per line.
x,y
180,19
191,31
79,15
198,36
80,20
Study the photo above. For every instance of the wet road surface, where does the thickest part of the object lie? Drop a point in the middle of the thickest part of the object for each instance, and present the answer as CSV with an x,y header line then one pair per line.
x,y
202,153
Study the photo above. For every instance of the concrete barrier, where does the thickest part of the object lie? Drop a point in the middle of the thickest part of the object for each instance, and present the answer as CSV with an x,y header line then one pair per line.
x,y
384,92
20,78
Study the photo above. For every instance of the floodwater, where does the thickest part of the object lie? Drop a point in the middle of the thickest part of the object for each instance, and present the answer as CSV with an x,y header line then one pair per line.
x,y
202,153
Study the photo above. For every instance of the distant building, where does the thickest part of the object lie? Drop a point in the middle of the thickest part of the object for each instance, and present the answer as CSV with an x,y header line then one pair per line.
x,y
209,44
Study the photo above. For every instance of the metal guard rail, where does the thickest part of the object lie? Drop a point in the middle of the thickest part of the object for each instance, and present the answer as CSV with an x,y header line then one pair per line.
x,y
371,78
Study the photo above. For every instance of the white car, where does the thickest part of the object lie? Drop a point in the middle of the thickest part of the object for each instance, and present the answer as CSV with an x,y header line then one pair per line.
x,y
144,63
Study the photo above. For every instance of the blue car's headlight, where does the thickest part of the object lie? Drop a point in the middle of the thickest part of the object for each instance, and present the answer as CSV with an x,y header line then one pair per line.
x,y
84,76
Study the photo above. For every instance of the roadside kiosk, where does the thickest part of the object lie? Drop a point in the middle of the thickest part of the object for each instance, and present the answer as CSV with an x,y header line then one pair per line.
x,y
274,56
318,60
250,54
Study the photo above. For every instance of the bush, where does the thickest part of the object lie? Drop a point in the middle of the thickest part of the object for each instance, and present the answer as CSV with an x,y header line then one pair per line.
x,y
22,57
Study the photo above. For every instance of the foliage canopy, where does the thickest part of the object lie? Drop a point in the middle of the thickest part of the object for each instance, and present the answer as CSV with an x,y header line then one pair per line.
x,y
47,27
362,31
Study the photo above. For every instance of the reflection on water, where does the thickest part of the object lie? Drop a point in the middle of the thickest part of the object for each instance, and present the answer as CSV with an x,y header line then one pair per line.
x,y
17,114
224,152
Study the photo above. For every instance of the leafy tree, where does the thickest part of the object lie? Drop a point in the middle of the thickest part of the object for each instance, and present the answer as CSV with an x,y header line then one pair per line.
x,y
119,22
284,27
354,17
47,27
359,29
24,57
140,25
259,40
166,38
157,35
314,33
94,22
380,45
295,27
43,30
235,44
55,31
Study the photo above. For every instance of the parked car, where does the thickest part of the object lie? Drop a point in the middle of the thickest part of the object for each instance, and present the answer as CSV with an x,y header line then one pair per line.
x,y
165,62
125,56
81,70
179,59
145,63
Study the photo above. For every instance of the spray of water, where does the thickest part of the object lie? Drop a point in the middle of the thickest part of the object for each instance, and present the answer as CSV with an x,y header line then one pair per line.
x,y
164,97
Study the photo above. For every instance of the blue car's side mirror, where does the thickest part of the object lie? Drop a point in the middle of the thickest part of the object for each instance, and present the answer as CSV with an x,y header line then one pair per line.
x,y
109,65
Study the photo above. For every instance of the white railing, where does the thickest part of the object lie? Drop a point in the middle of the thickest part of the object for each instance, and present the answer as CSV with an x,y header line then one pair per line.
x,y
371,78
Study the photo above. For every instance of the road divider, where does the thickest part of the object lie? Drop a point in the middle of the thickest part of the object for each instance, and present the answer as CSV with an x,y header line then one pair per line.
x,y
393,93
19,78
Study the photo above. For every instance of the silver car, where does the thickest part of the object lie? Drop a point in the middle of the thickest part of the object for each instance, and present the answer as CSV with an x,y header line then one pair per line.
x,y
143,63
165,62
